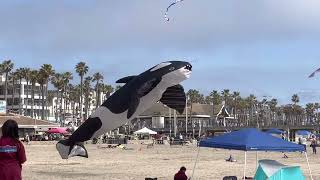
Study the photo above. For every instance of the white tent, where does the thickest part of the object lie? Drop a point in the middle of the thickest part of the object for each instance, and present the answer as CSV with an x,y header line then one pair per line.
x,y
145,131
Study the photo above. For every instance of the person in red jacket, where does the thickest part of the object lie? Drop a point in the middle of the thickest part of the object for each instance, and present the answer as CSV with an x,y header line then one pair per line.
x,y
12,153
181,175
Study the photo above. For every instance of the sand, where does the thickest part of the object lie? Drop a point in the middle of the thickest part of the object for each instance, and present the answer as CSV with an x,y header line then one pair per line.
x,y
161,161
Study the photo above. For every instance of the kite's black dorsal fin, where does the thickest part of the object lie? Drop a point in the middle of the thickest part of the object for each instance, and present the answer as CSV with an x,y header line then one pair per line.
x,y
125,79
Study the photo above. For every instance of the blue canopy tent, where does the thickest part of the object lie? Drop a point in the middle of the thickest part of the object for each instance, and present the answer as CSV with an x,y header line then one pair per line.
x,y
251,139
303,132
275,131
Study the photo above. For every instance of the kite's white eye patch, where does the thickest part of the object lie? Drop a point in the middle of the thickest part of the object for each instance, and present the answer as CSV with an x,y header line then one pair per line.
x,y
160,66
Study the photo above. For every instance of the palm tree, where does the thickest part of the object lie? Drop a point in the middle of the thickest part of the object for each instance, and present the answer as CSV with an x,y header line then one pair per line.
x,y
316,106
57,81
76,99
310,108
226,94
108,91
14,76
48,72
50,100
97,77
192,97
235,96
74,93
295,99
216,100
26,76
42,80
6,68
273,108
81,69
252,100
87,88
11,81
34,76
69,88
66,77
19,73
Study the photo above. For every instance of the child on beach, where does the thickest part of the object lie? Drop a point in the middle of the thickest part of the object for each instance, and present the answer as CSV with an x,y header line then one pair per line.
x,y
12,153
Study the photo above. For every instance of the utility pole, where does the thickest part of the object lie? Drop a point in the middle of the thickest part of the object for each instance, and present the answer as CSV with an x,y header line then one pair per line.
x,y
175,122
187,116
170,120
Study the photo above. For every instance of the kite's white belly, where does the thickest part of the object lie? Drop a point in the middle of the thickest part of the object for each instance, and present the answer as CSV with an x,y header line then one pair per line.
x,y
111,121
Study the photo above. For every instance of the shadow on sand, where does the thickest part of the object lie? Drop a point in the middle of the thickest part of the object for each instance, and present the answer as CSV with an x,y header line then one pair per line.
x,y
56,164
67,174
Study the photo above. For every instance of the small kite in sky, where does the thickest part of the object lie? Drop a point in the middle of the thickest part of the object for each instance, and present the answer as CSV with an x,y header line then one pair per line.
x,y
314,73
166,13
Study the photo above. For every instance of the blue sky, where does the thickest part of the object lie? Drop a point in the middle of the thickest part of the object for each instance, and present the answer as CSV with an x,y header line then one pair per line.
x,y
266,47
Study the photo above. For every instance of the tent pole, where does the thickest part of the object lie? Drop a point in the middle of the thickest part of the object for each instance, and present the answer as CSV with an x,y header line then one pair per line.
x,y
195,164
308,165
245,164
256,159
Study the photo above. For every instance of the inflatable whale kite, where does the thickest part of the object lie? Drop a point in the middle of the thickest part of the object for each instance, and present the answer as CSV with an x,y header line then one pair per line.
x,y
160,83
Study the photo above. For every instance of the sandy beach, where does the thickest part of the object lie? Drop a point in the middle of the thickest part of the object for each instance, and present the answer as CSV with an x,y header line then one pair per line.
x,y
161,161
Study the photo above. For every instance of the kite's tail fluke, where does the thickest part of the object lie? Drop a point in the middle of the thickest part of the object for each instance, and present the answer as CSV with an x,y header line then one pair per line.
x,y
166,16
67,149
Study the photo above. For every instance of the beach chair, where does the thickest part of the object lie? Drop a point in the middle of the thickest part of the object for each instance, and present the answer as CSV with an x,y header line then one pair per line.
x,y
230,178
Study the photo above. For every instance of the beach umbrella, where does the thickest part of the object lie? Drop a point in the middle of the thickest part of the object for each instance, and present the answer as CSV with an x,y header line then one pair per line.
x,y
58,131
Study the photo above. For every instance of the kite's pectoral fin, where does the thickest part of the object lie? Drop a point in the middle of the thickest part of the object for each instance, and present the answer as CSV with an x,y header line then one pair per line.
x,y
175,98
65,150
133,106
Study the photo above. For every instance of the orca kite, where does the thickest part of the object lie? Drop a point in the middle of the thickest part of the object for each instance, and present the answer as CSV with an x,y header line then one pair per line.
x,y
160,83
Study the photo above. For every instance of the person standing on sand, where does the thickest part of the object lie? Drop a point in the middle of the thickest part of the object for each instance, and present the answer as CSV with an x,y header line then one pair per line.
x,y
181,175
12,153
314,145
304,143
27,139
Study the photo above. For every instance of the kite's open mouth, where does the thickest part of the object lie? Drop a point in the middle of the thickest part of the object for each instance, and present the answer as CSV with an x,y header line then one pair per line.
x,y
188,67
187,70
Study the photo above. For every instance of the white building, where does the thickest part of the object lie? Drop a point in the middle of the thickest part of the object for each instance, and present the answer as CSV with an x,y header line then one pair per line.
x,y
62,109
13,98
70,111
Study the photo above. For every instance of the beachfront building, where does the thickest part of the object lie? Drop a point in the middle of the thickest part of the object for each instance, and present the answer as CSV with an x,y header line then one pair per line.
x,y
167,121
27,125
19,98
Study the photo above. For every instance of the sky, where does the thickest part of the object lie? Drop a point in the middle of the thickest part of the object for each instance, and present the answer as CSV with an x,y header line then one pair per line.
x,y
265,47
